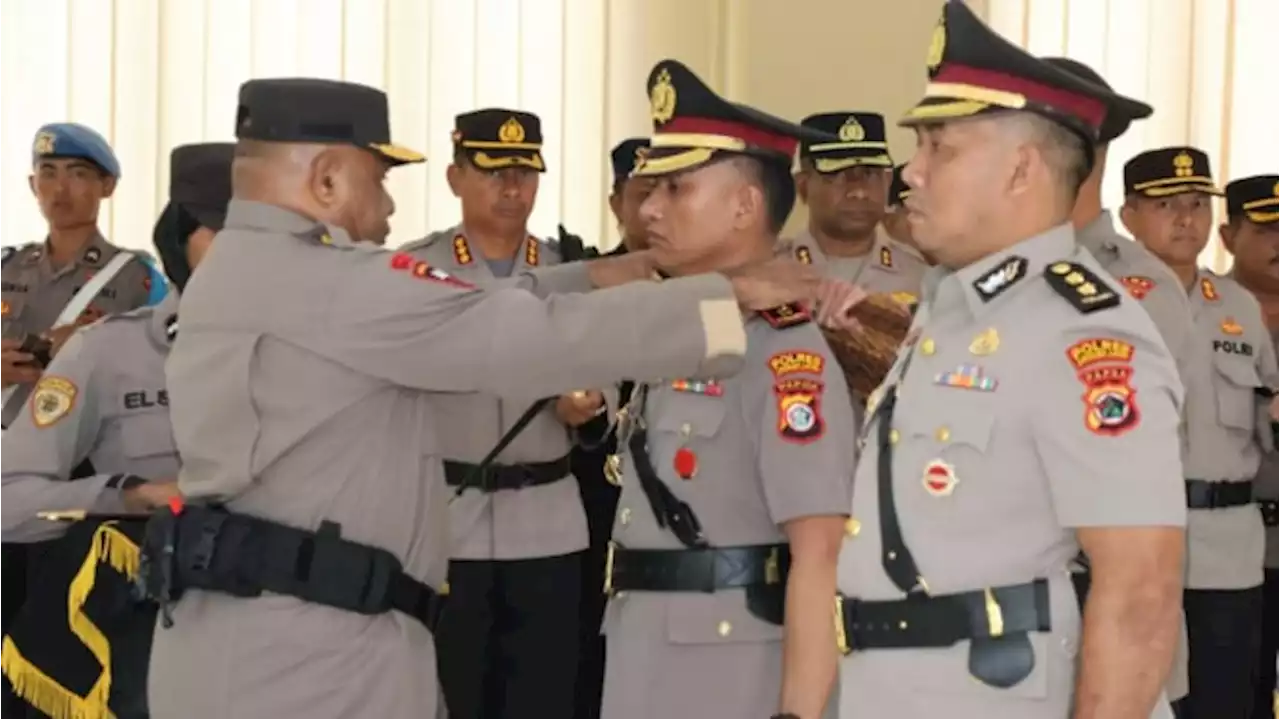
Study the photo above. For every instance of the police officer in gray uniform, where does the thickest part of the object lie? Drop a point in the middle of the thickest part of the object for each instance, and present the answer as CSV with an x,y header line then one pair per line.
x,y
845,180
1146,279
1168,209
517,525
1001,441
1249,234
72,171
103,399
734,493
305,392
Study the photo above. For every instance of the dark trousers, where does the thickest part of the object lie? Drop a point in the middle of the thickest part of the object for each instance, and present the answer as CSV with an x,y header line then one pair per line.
x,y
1266,681
1224,631
508,638
14,595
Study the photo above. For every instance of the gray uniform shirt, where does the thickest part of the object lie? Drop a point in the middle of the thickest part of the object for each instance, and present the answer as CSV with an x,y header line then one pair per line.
x,y
1147,279
1265,488
103,399
890,266
1005,440
774,447
305,386
35,293
1229,430
543,521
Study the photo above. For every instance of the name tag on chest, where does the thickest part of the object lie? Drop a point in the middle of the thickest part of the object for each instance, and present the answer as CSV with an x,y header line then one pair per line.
x,y
145,399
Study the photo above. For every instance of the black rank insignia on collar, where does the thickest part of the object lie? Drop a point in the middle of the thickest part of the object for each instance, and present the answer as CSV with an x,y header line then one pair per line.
x,y
1080,286
171,328
1000,278
92,255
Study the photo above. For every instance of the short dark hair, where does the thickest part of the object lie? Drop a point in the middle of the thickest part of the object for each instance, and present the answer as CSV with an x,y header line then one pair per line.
x,y
1064,151
776,184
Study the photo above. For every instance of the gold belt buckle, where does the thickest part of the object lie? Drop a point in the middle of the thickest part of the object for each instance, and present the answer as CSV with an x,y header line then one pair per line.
x,y
842,637
995,616
608,569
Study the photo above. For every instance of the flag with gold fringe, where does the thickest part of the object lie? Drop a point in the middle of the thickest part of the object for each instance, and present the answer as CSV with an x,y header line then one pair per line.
x,y
79,647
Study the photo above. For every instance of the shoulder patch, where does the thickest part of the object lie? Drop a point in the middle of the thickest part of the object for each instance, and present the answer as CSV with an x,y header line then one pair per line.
x,y
424,271
52,399
796,361
1002,277
784,316
1137,285
1080,287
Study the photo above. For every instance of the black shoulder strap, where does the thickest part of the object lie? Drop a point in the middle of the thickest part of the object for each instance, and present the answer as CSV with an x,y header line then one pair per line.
x,y
669,510
472,479
1080,286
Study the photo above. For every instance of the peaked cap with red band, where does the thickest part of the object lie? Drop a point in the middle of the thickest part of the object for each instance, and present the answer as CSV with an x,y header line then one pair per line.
x,y
691,123
972,70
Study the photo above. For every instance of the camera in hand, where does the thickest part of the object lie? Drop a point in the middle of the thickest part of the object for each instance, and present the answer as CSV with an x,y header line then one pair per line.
x,y
39,348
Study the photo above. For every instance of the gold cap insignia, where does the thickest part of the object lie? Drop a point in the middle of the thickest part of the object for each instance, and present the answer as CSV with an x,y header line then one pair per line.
x,y
662,98
852,131
937,44
511,131
44,143
1183,165
641,153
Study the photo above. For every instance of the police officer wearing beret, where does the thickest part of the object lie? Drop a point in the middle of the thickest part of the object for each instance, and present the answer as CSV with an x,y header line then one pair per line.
x,y
627,192
734,493
44,295
305,398
517,526
1168,209
73,171
1249,234
1144,277
1002,441
844,180
895,215
104,399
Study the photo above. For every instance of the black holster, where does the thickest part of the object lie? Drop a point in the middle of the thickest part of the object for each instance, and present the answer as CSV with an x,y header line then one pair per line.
x,y
213,549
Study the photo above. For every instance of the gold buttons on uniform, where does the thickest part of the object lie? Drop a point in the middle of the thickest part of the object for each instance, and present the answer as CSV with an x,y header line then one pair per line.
x,y
852,527
927,346
894,436
943,434
723,629
624,516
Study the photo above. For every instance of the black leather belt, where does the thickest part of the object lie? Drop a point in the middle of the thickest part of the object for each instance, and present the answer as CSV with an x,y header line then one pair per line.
x,y
695,570
928,621
1218,495
505,476
1269,511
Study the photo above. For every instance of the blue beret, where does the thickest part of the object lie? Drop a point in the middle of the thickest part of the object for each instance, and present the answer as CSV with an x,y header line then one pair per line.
x,y
624,156
68,139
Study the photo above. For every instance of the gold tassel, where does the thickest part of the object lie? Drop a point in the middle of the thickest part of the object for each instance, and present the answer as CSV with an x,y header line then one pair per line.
x,y
110,546
42,691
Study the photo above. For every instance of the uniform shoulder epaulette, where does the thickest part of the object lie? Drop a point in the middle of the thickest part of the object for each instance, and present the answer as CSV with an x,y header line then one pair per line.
x,y
1080,286
10,252
783,316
